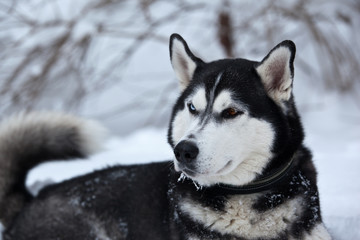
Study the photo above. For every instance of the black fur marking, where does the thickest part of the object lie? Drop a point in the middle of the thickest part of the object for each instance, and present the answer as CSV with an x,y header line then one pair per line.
x,y
100,199
191,136
187,188
191,228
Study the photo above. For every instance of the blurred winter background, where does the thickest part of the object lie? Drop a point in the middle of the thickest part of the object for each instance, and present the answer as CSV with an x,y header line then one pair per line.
x,y
109,60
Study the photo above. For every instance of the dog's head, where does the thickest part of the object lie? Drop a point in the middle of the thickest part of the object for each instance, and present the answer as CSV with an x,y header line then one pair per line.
x,y
234,117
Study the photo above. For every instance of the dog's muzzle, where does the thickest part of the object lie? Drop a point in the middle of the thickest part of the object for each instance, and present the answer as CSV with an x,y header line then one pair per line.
x,y
186,152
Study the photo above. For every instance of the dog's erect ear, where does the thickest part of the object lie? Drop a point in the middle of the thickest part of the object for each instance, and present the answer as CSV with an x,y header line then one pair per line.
x,y
277,71
183,60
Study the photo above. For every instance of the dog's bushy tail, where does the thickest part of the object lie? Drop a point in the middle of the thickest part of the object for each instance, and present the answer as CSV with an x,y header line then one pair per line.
x,y
28,139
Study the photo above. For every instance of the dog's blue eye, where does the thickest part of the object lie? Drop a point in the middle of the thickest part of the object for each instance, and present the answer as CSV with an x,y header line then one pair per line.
x,y
230,113
192,108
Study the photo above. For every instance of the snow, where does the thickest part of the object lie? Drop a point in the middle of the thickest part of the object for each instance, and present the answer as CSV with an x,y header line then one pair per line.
x,y
146,145
333,134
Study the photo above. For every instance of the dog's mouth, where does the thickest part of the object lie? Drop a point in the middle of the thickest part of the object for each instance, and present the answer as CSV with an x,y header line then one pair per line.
x,y
188,171
193,173
224,169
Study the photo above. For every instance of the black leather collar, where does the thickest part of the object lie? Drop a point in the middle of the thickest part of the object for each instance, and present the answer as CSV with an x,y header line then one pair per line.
x,y
259,185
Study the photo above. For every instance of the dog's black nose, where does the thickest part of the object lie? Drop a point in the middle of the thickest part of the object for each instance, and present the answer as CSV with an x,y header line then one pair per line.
x,y
186,151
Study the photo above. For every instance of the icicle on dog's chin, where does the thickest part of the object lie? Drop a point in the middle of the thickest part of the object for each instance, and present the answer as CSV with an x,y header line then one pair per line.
x,y
183,177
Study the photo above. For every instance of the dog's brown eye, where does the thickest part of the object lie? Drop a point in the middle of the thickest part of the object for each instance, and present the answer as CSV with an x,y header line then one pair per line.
x,y
230,113
192,108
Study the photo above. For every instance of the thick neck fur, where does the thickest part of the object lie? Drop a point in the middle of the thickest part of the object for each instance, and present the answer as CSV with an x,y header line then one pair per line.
x,y
289,143
219,216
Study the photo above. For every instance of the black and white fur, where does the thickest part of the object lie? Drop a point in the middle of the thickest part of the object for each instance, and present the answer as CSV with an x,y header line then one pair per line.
x,y
234,124
28,139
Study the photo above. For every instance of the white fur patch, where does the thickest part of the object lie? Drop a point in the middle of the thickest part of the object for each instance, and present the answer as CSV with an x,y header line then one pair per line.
x,y
224,101
199,100
233,151
319,232
180,125
184,122
276,75
183,65
240,219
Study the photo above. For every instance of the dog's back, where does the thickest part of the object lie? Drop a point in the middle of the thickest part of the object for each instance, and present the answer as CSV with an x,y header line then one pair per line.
x,y
128,202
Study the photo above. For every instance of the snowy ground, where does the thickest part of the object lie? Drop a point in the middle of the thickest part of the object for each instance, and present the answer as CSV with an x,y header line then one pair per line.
x,y
333,134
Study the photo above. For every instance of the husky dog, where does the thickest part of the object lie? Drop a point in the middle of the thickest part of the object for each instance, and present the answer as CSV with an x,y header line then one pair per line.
x,y
240,169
